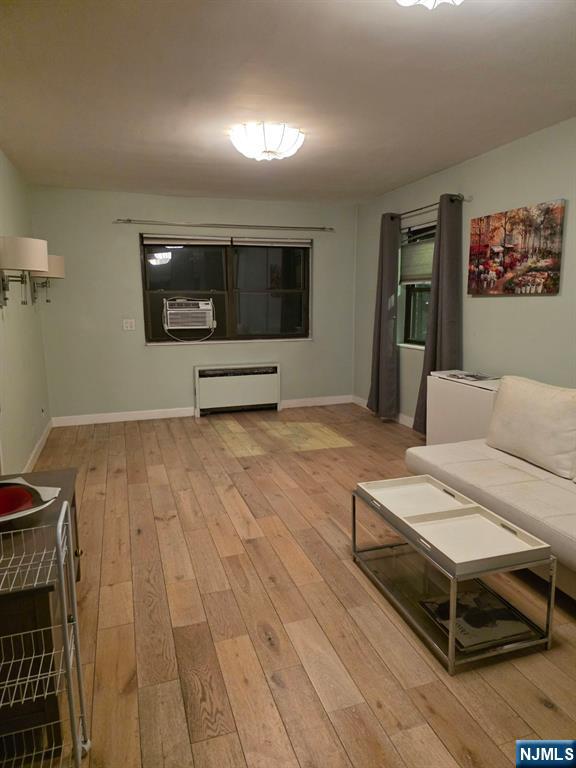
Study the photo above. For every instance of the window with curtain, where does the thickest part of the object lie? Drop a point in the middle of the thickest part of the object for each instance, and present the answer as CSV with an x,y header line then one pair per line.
x,y
416,254
260,288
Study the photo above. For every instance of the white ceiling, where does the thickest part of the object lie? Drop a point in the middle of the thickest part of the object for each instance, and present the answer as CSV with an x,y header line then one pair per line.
x,y
139,94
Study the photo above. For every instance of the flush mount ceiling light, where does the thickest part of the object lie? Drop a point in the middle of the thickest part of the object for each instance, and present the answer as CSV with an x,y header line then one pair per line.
x,y
266,141
430,4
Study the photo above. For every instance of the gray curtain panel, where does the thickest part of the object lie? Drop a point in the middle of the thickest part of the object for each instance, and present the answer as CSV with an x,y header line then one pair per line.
x,y
384,389
444,337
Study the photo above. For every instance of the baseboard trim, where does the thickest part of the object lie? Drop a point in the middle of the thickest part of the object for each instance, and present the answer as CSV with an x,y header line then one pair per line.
x,y
305,402
37,450
108,418
171,413
405,420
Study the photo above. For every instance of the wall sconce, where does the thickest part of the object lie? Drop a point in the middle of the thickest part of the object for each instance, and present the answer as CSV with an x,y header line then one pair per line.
x,y
41,279
21,254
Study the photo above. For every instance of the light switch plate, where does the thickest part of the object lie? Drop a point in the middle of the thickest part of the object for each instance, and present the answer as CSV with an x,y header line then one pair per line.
x,y
129,324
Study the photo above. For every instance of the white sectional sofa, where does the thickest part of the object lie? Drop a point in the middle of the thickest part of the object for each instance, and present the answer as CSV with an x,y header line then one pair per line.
x,y
534,498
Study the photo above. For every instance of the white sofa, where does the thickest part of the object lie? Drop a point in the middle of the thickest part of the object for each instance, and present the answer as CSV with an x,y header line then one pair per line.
x,y
533,498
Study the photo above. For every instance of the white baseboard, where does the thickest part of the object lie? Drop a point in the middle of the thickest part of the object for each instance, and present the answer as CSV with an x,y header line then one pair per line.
x,y
108,418
406,421
170,413
37,450
308,401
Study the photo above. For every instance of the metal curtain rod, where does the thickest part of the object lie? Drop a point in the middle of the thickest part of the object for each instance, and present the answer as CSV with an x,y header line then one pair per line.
x,y
427,208
224,226
420,224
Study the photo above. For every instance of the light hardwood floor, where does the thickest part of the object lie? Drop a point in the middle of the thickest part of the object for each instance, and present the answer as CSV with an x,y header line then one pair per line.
x,y
224,625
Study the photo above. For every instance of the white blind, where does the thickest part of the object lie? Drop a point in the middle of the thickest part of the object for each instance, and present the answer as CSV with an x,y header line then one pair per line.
x,y
416,262
262,241
180,240
277,242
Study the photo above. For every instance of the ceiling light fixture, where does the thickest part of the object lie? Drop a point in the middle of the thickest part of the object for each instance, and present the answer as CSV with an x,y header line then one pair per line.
x,y
430,4
266,141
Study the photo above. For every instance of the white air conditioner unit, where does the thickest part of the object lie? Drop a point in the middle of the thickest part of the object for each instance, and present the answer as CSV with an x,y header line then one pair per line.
x,y
236,387
188,314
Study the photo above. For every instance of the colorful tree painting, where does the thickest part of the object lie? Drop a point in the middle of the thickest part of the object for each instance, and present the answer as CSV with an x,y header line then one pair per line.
x,y
517,252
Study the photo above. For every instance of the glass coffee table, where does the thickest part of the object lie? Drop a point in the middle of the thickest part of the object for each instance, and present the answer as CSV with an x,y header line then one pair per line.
x,y
440,571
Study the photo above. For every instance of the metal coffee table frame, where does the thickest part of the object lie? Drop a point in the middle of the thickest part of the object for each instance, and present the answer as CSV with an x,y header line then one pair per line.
x,y
452,658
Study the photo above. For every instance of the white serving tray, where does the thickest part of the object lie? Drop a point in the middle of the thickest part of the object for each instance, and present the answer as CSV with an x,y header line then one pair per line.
x,y
414,499
471,537
461,536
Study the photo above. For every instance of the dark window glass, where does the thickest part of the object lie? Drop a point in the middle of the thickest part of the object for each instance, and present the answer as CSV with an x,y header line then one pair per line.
x,y
270,314
259,268
416,320
258,291
286,268
195,268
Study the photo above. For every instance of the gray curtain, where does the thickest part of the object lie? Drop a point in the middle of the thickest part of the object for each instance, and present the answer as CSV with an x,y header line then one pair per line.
x,y
384,389
444,336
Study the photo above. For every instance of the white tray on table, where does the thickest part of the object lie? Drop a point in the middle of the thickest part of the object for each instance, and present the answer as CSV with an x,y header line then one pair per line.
x,y
461,536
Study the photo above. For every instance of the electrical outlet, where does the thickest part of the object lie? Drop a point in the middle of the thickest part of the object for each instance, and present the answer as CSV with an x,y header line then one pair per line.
x,y
129,324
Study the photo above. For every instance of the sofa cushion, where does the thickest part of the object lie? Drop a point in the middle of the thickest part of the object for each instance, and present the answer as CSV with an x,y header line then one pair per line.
x,y
536,500
536,422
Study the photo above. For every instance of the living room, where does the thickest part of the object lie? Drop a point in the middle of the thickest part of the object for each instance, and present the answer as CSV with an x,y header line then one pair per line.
x,y
206,360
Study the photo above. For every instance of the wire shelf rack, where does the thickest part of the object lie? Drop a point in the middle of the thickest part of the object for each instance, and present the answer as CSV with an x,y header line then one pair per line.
x,y
29,557
46,746
43,662
32,664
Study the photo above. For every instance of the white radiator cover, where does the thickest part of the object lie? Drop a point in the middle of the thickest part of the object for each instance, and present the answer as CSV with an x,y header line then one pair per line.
x,y
236,386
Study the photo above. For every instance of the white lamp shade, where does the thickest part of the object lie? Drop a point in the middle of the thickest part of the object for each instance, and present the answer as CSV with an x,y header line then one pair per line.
x,y
23,254
56,268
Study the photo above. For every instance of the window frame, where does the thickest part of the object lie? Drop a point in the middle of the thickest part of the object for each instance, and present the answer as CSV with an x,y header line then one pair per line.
x,y
424,232
230,294
411,289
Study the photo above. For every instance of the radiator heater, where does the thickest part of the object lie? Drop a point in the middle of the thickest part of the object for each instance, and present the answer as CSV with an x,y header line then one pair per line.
x,y
236,387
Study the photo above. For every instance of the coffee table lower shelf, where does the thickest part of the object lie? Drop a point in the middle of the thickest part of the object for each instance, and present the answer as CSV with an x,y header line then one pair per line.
x,y
410,607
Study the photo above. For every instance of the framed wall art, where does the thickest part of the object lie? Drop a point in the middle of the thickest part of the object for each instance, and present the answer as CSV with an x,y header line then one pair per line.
x,y
517,252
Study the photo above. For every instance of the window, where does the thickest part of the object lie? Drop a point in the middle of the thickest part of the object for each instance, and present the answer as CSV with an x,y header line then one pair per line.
x,y
416,254
416,317
260,289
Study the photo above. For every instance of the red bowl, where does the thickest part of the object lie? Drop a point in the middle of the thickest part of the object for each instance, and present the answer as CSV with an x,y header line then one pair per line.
x,y
14,498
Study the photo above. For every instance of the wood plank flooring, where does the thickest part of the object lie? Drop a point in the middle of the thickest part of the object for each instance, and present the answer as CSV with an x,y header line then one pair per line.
x,y
224,625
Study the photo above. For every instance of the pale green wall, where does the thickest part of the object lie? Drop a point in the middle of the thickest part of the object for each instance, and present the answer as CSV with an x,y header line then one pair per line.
x,y
529,336
96,367
23,389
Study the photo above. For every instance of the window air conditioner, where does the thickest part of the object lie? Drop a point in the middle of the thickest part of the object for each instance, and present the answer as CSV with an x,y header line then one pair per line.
x,y
188,314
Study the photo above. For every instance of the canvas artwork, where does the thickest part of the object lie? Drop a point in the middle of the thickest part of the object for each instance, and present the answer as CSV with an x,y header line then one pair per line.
x,y
517,252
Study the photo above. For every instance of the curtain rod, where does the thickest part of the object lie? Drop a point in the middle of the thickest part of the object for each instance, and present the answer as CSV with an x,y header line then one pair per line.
x,y
427,208
420,224
224,226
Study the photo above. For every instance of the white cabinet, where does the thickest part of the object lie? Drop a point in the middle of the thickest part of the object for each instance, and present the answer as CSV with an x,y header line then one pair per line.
x,y
458,409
